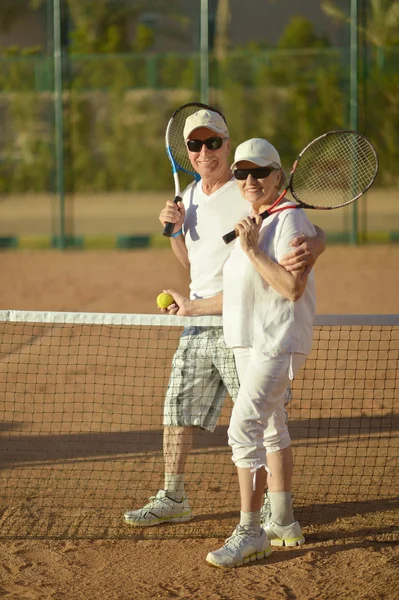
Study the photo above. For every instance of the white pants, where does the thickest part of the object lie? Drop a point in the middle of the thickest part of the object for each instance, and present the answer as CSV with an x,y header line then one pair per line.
x,y
258,418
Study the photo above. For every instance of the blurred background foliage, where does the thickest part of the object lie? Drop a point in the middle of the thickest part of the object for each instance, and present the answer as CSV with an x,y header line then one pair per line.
x,y
118,94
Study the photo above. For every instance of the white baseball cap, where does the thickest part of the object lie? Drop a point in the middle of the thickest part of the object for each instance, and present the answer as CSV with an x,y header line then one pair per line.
x,y
258,151
205,118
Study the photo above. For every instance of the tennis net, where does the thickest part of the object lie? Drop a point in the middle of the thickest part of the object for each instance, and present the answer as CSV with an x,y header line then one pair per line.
x,y
81,428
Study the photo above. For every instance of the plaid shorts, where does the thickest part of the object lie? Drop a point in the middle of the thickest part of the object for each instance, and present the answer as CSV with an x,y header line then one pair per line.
x,y
203,371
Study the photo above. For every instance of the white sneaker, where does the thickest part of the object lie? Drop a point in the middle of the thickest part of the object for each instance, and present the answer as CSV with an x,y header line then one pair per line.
x,y
160,509
240,548
291,535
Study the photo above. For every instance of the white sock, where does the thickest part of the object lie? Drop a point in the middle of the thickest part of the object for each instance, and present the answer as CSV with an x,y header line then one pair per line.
x,y
251,520
281,508
174,485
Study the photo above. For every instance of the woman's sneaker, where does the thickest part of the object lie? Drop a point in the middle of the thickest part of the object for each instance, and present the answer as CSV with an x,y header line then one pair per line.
x,y
160,509
241,548
291,535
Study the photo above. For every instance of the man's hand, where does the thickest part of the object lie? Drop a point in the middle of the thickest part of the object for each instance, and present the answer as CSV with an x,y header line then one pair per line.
x,y
173,213
307,251
180,306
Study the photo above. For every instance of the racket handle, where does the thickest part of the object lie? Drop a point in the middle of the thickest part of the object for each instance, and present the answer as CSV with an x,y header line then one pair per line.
x,y
169,227
229,237
264,214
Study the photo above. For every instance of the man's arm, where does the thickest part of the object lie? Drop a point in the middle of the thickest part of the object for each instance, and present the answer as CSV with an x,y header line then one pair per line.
x,y
307,251
184,307
178,246
175,213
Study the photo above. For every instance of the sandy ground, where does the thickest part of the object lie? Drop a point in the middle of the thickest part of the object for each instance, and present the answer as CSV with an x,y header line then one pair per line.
x,y
363,279
345,562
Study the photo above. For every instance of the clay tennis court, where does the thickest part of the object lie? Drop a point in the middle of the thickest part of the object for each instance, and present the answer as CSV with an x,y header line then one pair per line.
x,y
352,548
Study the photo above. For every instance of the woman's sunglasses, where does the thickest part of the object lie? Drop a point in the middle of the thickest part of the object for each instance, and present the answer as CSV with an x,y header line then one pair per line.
x,y
259,173
212,143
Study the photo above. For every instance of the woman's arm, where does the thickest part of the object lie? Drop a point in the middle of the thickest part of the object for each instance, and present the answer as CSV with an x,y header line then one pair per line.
x,y
290,285
307,251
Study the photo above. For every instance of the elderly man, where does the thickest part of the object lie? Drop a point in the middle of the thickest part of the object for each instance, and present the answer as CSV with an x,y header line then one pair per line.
x,y
203,368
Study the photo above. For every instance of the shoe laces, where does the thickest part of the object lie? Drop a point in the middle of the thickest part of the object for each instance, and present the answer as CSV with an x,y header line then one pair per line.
x,y
237,538
156,501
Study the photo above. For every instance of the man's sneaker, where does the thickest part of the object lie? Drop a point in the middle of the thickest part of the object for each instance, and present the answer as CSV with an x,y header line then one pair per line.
x,y
160,509
291,535
240,548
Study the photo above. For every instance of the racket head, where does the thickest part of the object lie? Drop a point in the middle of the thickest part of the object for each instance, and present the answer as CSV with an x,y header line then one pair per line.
x,y
174,140
334,170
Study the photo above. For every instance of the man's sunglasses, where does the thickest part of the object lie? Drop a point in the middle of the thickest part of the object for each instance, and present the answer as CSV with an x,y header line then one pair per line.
x,y
212,143
258,173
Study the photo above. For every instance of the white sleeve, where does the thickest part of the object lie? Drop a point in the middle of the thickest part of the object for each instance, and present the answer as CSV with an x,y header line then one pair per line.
x,y
292,223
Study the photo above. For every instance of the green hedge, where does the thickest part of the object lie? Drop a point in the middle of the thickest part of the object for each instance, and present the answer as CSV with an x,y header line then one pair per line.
x,y
114,120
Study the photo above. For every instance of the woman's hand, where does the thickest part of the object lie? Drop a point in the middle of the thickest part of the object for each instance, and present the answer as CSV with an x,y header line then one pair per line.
x,y
249,229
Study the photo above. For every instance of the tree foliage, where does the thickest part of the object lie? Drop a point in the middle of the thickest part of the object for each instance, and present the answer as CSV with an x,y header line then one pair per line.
x,y
300,33
382,29
116,105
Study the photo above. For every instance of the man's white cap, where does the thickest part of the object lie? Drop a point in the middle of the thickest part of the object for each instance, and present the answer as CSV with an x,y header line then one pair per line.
x,y
205,118
258,151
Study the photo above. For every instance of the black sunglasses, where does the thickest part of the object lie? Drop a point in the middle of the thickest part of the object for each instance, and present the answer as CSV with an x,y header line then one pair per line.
x,y
212,143
258,173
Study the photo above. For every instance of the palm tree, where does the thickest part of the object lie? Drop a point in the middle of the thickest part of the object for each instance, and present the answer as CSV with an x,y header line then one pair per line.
x,y
93,18
222,34
382,28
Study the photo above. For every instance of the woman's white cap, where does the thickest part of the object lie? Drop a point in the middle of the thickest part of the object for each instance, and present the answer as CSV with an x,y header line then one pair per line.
x,y
258,151
205,118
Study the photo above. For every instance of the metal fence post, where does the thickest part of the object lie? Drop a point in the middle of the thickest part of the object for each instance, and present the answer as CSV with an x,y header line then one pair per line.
x,y
204,53
353,102
59,121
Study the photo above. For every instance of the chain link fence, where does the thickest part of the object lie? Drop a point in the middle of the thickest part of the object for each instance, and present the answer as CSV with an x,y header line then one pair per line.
x,y
115,108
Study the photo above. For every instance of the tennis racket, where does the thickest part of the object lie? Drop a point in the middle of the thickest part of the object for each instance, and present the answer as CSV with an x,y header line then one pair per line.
x,y
176,148
334,170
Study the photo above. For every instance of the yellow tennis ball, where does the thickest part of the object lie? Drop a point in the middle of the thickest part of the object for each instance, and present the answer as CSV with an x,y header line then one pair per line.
x,y
164,300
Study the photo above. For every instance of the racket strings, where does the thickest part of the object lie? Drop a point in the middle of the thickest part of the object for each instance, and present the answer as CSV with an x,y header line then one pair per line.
x,y
177,143
334,170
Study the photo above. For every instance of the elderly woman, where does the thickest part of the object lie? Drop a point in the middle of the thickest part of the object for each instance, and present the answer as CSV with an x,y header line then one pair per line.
x,y
267,319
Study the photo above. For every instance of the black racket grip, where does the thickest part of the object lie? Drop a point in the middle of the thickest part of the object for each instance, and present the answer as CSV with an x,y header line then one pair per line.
x,y
229,237
168,229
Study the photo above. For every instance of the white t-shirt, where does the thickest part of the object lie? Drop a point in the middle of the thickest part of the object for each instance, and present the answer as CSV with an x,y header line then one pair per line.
x,y
254,314
208,218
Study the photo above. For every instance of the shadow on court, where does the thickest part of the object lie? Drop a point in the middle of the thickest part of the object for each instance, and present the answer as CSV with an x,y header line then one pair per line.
x,y
18,449
319,514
